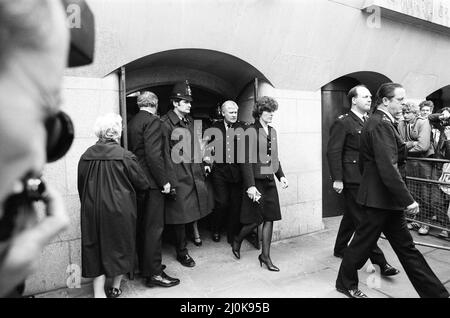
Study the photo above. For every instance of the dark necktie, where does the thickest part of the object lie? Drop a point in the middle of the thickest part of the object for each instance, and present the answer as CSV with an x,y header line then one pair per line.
x,y
365,117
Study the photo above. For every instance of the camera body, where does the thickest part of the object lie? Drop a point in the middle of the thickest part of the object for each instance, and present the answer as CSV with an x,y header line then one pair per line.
x,y
18,207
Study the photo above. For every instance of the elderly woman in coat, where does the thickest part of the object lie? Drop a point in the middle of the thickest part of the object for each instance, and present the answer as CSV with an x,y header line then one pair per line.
x,y
108,179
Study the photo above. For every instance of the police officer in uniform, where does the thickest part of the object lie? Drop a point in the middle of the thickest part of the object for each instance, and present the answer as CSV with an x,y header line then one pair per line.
x,y
384,195
226,175
186,170
343,157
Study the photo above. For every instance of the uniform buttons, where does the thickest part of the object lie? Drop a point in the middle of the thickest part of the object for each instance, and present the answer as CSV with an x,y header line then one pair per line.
x,y
354,161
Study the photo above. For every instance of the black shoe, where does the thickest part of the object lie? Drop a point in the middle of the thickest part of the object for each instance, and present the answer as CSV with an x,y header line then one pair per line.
x,y
113,292
172,279
216,237
162,280
236,248
197,241
352,293
186,260
268,263
388,270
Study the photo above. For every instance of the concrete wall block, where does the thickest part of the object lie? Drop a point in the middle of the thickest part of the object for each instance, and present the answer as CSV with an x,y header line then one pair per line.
x,y
283,117
75,260
110,101
297,219
85,106
72,203
289,225
289,196
79,146
109,82
51,269
55,174
300,152
310,186
309,116
294,94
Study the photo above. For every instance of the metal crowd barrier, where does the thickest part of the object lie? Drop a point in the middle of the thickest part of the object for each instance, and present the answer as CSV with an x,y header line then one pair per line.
x,y
430,187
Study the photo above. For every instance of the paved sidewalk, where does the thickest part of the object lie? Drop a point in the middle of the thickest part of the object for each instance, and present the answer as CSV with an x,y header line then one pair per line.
x,y
308,270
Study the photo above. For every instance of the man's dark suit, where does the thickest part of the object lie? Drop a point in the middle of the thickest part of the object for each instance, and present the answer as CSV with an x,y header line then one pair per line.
x,y
227,180
343,159
384,194
146,142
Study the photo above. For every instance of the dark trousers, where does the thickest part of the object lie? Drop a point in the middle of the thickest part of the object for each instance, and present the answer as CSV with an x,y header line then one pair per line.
x,y
393,225
150,225
227,204
353,216
180,239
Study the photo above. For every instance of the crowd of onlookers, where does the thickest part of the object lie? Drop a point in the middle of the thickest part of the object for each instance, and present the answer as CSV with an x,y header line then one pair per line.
x,y
427,136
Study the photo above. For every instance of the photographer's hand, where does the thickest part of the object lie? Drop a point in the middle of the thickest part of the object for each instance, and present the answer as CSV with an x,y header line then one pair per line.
x,y
25,247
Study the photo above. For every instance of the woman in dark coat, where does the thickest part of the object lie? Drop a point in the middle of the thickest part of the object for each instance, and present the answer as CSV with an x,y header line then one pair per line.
x,y
260,204
108,178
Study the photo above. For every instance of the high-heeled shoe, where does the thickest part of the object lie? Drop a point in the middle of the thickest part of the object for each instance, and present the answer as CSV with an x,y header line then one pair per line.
x,y
198,241
236,248
268,263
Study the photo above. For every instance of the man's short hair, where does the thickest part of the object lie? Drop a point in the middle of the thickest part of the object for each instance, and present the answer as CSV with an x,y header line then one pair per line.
x,y
353,92
386,90
427,103
228,102
264,103
411,107
147,99
24,24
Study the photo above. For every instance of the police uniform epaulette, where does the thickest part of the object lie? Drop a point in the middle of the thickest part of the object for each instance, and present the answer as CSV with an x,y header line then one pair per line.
x,y
343,116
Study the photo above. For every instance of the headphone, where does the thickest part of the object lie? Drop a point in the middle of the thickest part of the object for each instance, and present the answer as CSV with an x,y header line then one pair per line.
x,y
60,135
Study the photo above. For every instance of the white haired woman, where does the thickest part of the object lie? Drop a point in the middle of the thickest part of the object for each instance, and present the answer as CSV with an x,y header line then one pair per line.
x,y
108,178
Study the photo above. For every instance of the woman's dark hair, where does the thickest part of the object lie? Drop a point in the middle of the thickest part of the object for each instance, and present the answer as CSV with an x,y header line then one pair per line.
x,y
264,103
386,90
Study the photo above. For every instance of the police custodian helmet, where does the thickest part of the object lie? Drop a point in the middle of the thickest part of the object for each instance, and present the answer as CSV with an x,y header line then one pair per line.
x,y
182,90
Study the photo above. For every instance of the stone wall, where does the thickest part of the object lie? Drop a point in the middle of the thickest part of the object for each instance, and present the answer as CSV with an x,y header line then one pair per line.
x,y
84,99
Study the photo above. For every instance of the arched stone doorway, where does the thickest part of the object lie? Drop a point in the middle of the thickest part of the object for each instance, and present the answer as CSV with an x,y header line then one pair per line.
x,y
440,98
334,104
213,76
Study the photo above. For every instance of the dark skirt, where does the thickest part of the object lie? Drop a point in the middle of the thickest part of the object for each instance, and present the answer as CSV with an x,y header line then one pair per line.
x,y
268,208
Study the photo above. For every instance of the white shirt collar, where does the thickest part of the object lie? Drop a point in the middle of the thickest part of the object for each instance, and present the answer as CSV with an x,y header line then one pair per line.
x,y
388,114
357,114
147,110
